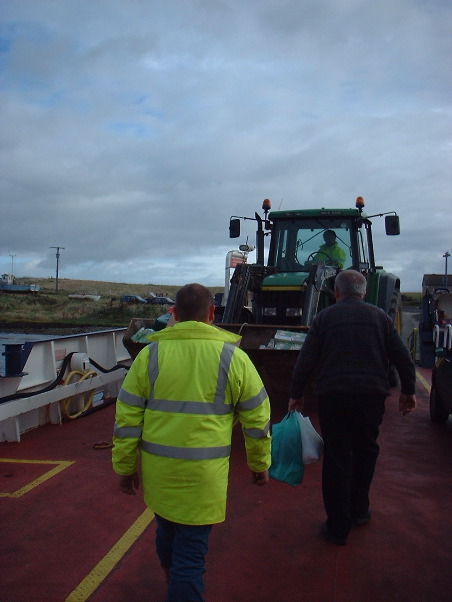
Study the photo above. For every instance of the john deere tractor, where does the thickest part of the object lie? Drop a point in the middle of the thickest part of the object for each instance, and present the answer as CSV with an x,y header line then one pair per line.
x,y
280,297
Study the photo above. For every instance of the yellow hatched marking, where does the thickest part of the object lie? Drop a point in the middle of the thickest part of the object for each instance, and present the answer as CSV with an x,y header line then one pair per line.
x,y
92,581
60,465
423,381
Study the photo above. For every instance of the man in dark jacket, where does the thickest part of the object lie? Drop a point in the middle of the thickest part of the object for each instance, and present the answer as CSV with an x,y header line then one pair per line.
x,y
349,348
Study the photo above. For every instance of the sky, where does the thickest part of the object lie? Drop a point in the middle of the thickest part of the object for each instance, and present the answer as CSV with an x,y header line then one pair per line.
x,y
131,130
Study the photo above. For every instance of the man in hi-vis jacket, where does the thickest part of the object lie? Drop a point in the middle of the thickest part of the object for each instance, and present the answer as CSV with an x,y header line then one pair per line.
x,y
177,406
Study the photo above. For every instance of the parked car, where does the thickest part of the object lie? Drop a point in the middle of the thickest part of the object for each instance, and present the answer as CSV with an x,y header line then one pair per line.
x,y
132,299
160,300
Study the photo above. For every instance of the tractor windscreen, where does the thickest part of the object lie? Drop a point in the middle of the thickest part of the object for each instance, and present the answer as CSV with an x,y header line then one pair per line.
x,y
297,244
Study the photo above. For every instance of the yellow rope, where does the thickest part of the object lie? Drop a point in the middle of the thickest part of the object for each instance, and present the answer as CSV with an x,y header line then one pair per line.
x,y
65,403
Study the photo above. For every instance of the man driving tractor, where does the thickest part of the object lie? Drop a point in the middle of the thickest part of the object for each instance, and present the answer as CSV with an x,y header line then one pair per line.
x,y
330,252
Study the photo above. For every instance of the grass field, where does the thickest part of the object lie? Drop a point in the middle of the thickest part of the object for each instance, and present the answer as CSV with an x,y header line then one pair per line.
x,y
51,307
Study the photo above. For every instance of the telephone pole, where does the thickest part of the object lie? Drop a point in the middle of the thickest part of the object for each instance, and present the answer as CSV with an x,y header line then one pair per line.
x,y
446,256
57,264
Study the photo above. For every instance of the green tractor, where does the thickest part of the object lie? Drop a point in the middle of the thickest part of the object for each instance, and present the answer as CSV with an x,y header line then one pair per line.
x,y
272,304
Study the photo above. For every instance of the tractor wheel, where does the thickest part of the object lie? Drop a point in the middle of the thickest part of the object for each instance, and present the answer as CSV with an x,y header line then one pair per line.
x,y
235,303
437,411
395,313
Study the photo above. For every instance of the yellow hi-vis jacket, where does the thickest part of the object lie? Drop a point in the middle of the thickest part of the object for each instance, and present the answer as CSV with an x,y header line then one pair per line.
x,y
178,404
331,254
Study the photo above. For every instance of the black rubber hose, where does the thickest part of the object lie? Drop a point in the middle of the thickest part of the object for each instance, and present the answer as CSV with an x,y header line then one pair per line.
x,y
52,385
57,381
104,370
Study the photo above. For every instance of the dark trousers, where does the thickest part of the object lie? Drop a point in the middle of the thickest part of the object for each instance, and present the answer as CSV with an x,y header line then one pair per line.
x,y
350,426
182,550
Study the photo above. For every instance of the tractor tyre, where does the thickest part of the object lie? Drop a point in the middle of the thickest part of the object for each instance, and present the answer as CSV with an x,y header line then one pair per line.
x,y
235,303
437,411
395,313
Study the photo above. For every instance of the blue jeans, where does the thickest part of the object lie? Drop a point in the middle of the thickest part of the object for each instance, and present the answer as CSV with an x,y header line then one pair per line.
x,y
182,549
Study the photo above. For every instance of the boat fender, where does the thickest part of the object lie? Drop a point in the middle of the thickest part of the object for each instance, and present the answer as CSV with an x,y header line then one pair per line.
x,y
80,362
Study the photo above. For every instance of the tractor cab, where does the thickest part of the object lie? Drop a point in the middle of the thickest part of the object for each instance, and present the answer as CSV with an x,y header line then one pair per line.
x,y
338,238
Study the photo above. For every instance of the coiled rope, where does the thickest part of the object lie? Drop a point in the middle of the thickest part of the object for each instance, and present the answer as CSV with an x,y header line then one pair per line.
x,y
65,403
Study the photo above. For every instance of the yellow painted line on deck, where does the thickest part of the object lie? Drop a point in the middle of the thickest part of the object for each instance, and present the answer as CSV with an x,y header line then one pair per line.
x,y
92,581
423,382
60,465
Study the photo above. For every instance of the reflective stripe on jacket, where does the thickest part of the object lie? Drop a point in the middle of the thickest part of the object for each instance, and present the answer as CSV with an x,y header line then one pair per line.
x,y
178,403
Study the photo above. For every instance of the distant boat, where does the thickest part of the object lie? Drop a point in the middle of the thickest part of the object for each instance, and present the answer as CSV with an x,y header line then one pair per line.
x,y
83,296
7,285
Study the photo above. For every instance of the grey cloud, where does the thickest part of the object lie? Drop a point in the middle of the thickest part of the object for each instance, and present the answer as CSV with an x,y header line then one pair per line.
x,y
131,136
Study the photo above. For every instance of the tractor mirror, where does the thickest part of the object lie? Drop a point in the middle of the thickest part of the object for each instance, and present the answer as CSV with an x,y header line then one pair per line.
x,y
234,228
392,225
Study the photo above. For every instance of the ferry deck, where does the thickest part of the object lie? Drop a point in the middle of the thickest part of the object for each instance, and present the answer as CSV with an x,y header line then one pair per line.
x,y
68,533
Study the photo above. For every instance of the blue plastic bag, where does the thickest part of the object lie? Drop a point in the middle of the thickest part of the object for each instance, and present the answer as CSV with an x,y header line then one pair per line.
x,y
287,459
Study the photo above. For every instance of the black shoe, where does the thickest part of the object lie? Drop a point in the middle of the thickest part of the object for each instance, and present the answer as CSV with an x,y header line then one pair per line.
x,y
362,520
339,541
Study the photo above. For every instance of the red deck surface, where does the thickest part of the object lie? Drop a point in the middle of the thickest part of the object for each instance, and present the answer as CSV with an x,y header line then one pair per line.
x,y
58,538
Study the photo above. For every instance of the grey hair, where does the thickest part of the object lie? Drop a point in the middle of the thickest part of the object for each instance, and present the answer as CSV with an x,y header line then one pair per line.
x,y
351,283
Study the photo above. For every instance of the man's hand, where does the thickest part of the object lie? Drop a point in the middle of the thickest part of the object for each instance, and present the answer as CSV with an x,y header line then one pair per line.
x,y
295,404
260,478
129,483
406,403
